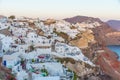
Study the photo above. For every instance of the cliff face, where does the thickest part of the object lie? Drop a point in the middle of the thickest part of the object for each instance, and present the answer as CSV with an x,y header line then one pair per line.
x,y
98,53
83,42
108,62
113,38
85,71
109,35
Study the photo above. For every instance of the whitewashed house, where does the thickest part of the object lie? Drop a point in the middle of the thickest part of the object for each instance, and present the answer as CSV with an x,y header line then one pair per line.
x,y
3,19
10,61
1,53
1,36
31,38
7,41
60,48
4,25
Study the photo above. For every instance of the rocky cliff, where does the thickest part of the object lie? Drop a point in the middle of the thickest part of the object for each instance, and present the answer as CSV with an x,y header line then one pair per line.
x,y
98,52
113,38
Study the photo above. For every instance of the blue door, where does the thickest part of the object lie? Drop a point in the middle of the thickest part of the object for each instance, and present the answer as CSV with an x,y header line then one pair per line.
x,y
4,63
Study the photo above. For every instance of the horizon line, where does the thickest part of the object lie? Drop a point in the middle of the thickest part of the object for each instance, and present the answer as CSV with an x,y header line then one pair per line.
x,y
102,19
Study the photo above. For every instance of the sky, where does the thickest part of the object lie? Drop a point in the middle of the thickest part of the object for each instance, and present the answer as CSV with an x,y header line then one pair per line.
x,y
59,9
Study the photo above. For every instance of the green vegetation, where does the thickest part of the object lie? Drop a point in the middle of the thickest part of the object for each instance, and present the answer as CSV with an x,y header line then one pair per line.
x,y
11,17
45,72
75,76
8,28
22,61
69,70
66,60
31,48
33,60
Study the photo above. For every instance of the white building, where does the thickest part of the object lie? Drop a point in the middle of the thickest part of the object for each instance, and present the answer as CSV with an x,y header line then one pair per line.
x,y
7,41
10,60
47,78
3,19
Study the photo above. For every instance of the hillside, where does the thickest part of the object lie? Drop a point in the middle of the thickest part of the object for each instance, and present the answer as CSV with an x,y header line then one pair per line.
x,y
104,35
26,42
79,19
115,24
80,46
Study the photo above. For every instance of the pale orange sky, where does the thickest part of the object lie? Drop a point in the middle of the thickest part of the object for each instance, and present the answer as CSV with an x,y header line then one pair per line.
x,y
104,9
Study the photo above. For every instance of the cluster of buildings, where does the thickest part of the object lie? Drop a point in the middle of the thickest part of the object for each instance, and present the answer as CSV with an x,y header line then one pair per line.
x,y
30,56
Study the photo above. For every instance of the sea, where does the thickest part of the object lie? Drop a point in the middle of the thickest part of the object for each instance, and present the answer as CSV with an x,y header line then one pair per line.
x,y
115,48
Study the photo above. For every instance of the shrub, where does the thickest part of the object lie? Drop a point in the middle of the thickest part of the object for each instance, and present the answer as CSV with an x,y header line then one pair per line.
x,y
11,17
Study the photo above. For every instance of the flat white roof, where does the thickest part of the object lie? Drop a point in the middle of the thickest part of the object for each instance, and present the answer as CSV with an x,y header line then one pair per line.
x,y
9,57
47,78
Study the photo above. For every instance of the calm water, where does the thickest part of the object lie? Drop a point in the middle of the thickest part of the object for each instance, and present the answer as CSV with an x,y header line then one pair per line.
x,y
115,49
